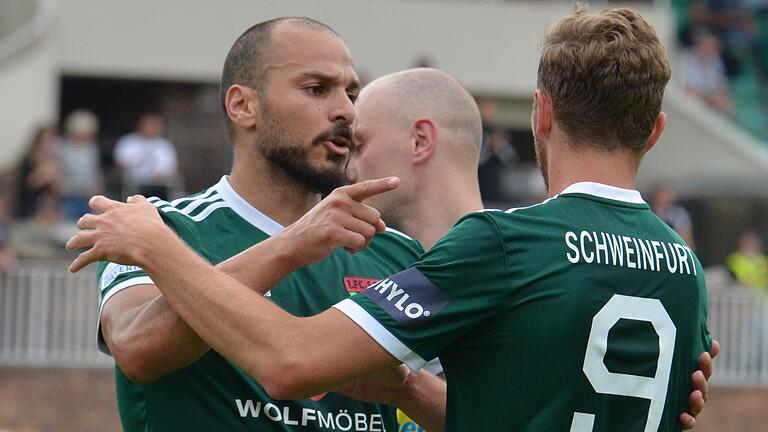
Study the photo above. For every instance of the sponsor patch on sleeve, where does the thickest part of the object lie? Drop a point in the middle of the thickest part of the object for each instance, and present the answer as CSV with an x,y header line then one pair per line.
x,y
356,285
408,297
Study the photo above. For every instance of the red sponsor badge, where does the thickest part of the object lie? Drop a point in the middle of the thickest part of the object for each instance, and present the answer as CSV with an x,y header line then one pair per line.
x,y
355,285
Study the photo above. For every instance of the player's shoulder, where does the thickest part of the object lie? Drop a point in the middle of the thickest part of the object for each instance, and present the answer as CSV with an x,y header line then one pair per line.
x,y
392,238
486,224
191,212
534,214
493,216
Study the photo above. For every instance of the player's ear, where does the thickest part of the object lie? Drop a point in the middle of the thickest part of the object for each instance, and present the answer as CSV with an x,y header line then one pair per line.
x,y
542,116
243,107
658,128
424,135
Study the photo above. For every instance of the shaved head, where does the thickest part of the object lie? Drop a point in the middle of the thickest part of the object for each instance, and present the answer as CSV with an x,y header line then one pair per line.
x,y
424,127
432,93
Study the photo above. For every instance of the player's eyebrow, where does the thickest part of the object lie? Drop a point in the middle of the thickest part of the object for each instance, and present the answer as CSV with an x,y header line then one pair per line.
x,y
354,84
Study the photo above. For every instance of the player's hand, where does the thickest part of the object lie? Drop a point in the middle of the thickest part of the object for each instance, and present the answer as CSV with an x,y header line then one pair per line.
x,y
700,392
382,387
121,233
339,220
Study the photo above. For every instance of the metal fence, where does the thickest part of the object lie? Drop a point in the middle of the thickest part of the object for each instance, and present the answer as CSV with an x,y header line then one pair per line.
x,y
738,318
48,318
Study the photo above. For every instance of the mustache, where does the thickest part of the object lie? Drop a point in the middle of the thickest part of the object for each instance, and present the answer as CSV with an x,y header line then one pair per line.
x,y
339,130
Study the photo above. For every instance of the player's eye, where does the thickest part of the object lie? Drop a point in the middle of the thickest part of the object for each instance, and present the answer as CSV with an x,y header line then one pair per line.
x,y
315,90
352,97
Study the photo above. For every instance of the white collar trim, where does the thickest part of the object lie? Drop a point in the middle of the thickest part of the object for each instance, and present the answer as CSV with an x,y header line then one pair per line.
x,y
605,191
245,210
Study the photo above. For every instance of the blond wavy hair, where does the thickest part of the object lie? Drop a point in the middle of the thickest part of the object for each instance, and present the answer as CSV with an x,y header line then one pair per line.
x,y
606,75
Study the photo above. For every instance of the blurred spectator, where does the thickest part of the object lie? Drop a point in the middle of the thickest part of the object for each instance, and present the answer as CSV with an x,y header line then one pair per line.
x,y
38,176
79,162
732,23
147,160
7,255
736,27
748,264
495,153
704,73
664,204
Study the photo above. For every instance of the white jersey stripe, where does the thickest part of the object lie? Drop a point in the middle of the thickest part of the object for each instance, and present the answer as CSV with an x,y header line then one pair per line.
x,y
202,195
401,234
166,207
208,210
197,203
157,202
512,210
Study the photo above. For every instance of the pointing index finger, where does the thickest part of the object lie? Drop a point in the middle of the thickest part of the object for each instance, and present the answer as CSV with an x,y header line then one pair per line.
x,y
366,189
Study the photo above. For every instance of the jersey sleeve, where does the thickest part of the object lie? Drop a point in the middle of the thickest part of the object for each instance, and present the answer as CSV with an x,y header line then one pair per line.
x,y
454,289
112,277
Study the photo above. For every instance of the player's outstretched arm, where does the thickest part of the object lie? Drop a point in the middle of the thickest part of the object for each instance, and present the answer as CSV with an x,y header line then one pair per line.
x,y
147,338
154,247
700,392
289,356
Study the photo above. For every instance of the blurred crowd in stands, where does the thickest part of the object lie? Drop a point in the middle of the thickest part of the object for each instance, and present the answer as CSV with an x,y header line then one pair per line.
x,y
722,42
724,59
59,173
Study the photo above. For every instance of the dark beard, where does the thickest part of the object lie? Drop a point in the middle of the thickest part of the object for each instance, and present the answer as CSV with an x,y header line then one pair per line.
x,y
294,160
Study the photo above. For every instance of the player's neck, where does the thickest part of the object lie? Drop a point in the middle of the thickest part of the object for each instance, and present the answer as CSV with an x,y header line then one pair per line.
x,y
271,191
567,167
440,206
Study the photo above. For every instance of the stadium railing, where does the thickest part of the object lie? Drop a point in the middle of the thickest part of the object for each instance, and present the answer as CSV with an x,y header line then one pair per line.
x,y
48,319
738,318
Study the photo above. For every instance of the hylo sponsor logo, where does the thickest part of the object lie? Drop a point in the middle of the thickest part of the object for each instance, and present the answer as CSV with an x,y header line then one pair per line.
x,y
400,297
409,297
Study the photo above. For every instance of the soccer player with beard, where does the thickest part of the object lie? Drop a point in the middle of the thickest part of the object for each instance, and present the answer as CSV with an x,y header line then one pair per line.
x,y
287,91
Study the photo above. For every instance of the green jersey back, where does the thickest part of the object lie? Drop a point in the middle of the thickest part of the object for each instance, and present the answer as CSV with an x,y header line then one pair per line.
x,y
214,395
583,313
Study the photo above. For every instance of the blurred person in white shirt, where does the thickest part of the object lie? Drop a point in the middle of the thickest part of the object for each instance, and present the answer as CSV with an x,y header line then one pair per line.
x,y
147,159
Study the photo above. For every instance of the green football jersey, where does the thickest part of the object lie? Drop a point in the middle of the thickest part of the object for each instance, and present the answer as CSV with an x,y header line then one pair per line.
x,y
583,313
214,395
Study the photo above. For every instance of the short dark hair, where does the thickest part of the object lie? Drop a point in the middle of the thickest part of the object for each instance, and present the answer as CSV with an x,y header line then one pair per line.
x,y
606,75
245,60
